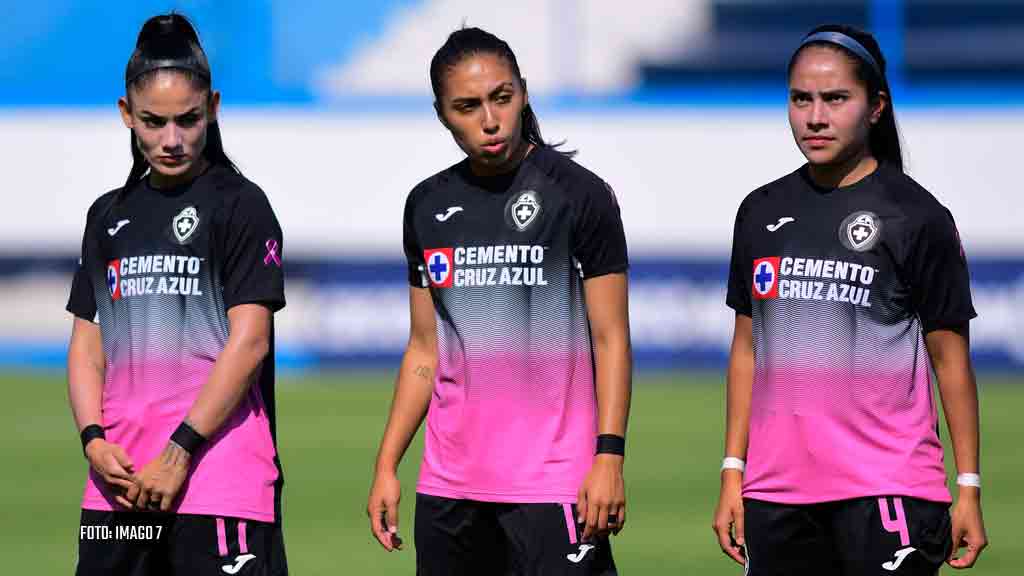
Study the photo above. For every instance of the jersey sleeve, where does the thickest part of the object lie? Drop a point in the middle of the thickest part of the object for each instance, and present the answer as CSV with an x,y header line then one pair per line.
x,y
82,301
940,287
253,249
740,271
599,239
411,245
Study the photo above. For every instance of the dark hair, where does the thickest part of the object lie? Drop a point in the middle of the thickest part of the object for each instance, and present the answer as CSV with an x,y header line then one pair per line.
x,y
466,42
170,42
884,137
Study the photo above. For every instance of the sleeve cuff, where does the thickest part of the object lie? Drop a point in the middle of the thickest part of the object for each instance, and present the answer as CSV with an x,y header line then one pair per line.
x,y
947,322
605,270
274,302
740,308
84,315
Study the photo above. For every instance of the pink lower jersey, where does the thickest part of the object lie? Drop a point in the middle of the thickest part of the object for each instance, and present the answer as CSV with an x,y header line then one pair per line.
x,y
526,437
232,475
819,436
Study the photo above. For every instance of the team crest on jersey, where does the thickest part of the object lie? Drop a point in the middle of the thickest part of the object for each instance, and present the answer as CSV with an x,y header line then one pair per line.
x,y
185,224
765,283
439,263
860,231
114,279
525,209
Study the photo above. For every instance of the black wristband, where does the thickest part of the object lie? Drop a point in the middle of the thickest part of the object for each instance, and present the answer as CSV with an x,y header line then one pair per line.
x,y
187,437
611,444
90,433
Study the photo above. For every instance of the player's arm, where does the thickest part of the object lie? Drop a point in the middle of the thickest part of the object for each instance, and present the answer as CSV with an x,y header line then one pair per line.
x,y
739,384
86,370
728,521
413,388
236,366
603,491
86,373
950,354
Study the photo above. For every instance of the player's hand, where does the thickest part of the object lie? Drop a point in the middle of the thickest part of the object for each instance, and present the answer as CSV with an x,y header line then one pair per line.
x,y
382,510
601,502
110,461
968,528
158,483
728,521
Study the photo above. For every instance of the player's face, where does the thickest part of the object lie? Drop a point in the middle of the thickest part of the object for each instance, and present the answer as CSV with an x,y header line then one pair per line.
x,y
482,105
169,117
829,109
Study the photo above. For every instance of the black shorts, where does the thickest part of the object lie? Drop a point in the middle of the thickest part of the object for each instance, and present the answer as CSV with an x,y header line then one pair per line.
x,y
146,543
891,535
466,537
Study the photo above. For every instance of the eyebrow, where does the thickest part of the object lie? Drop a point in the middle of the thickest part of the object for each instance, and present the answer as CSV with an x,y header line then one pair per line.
x,y
834,92
193,111
471,99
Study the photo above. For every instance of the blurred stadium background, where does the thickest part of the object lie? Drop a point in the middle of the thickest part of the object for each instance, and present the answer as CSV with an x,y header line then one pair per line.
x,y
679,104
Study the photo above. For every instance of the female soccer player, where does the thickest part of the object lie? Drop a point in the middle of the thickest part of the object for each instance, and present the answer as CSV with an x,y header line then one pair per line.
x,y
846,277
171,365
519,342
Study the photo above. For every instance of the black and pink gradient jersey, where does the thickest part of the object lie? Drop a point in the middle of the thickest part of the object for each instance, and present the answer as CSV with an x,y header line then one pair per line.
x,y
841,285
513,416
159,270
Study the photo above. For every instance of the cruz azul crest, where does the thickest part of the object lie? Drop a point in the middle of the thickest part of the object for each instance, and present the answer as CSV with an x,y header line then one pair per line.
x,y
525,209
860,231
185,224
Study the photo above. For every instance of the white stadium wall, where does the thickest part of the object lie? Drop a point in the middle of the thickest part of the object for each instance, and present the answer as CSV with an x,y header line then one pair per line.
x,y
338,183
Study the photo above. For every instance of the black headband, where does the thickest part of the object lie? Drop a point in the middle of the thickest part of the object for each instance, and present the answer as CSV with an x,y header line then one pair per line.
x,y
846,42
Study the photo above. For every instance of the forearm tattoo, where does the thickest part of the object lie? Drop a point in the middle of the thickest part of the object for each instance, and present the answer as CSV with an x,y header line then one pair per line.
x,y
175,455
424,372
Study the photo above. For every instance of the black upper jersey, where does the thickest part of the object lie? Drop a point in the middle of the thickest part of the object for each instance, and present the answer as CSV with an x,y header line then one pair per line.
x,y
159,270
840,285
513,414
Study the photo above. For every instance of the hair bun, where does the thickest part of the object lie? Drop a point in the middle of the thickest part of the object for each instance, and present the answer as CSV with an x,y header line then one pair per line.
x,y
167,27
167,41
166,24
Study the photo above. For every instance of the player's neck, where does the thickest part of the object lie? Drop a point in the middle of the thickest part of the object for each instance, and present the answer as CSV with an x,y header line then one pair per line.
x,y
161,181
844,173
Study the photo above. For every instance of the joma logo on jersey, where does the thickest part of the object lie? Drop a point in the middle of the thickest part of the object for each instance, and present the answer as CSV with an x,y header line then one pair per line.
x,y
439,262
766,278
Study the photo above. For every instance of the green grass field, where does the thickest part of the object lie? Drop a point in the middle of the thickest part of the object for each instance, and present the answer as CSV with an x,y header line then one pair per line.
x,y
329,427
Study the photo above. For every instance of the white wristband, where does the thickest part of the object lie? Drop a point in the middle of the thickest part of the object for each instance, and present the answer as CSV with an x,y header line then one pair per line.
x,y
731,463
969,479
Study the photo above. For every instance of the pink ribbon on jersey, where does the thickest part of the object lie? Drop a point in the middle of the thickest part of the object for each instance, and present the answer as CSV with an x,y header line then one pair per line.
x,y
272,255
